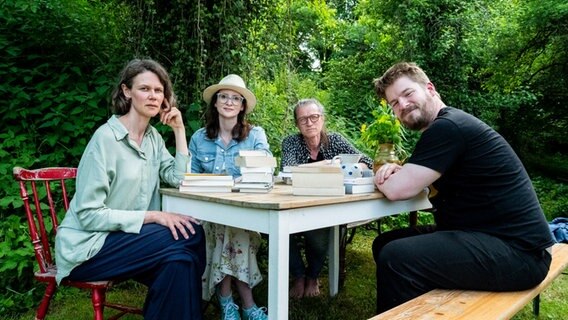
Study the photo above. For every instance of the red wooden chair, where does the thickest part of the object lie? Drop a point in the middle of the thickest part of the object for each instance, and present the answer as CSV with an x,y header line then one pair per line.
x,y
38,191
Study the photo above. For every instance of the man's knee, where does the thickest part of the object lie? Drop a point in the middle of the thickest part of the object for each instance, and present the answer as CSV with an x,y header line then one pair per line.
x,y
378,245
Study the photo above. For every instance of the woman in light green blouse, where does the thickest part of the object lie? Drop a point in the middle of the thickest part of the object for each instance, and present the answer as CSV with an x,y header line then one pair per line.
x,y
114,228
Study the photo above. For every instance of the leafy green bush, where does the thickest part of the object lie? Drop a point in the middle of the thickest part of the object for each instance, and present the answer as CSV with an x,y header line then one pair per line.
x,y
60,59
56,78
553,197
275,109
16,267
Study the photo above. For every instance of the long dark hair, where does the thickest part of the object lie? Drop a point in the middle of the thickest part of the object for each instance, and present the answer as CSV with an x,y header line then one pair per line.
x,y
120,104
240,131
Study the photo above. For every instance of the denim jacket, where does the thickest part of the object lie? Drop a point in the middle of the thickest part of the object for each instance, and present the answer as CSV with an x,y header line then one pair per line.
x,y
559,229
212,156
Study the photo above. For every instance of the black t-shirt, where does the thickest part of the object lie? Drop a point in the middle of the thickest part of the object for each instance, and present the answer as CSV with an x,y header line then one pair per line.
x,y
484,186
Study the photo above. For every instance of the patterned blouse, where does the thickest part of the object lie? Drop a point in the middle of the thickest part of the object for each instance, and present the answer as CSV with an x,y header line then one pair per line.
x,y
295,151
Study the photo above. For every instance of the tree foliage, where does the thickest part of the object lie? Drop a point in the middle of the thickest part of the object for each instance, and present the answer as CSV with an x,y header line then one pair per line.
x,y
503,61
55,81
531,49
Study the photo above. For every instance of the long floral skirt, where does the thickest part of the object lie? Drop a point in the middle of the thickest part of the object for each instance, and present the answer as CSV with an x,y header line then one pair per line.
x,y
230,252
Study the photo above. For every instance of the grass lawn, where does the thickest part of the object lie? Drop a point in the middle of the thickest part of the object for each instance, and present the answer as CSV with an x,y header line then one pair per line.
x,y
356,299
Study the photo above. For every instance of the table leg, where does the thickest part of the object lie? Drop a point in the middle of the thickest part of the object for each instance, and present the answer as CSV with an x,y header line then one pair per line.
x,y
334,261
278,268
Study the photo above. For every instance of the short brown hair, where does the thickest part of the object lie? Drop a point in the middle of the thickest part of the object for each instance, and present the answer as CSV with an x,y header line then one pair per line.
x,y
408,69
120,104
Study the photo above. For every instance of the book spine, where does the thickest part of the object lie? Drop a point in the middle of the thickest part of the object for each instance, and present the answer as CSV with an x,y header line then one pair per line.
x,y
317,180
269,170
255,161
247,177
207,183
318,191
204,189
359,188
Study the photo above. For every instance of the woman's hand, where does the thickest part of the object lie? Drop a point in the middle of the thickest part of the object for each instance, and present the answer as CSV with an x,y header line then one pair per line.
x,y
174,221
171,116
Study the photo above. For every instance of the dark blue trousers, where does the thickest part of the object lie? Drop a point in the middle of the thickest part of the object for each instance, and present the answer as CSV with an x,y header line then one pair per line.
x,y
170,268
316,244
413,261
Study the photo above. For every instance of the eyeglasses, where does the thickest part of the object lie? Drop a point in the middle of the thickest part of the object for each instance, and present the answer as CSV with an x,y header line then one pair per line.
x,y
313,119
224,98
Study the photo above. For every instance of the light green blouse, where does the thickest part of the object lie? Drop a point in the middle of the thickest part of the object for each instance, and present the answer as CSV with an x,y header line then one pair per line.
x,y
117,182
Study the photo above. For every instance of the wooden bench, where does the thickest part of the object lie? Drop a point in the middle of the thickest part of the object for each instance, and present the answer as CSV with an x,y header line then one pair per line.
x,y
463,304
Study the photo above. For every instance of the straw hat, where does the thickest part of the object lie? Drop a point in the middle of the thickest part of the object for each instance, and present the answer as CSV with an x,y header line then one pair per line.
x,y
235,83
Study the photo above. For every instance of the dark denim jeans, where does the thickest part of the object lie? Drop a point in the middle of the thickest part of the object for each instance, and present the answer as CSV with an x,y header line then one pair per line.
x,y
316,243
170,268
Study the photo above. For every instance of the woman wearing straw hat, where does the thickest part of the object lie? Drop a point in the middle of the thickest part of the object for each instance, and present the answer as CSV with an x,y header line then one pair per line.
x,y
231,252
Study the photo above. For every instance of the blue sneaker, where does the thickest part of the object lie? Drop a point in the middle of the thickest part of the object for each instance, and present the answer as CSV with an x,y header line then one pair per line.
x,y
255,313
230,311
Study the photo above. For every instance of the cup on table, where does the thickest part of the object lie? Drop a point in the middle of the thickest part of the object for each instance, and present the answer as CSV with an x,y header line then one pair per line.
x,y
349,165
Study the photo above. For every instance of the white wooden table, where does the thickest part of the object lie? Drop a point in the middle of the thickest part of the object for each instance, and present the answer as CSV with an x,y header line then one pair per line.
x,y
280,214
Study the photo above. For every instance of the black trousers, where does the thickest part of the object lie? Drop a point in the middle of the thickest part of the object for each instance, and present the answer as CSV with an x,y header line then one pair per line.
x,y
413,261
316,245
170,268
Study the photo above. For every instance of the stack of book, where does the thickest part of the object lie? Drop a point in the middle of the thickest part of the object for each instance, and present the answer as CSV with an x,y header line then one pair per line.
x,y
206,182
359,185
317,181
257,169
286,175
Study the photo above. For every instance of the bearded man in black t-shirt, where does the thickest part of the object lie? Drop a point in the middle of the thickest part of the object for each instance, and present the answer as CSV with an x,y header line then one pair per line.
x,y
490,232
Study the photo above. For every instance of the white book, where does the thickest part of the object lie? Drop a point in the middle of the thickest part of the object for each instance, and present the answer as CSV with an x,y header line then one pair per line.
x,y
317,169
207,176
208,183
359,188
337,191
364,180
255,161
257,170
253,185
210,189
252,190
255,153
257,177
317,180
283,174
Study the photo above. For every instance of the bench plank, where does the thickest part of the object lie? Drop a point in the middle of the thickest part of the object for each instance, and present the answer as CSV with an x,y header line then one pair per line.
x,y
466,304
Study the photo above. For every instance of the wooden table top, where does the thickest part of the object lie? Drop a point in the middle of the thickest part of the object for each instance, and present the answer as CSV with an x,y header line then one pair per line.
x,y
280,198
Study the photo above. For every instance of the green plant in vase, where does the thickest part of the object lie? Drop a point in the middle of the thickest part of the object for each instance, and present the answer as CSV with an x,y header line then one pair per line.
x,y
384,134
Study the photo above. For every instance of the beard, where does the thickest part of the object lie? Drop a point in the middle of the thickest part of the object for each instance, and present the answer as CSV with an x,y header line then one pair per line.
x,y
418,116
414,118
